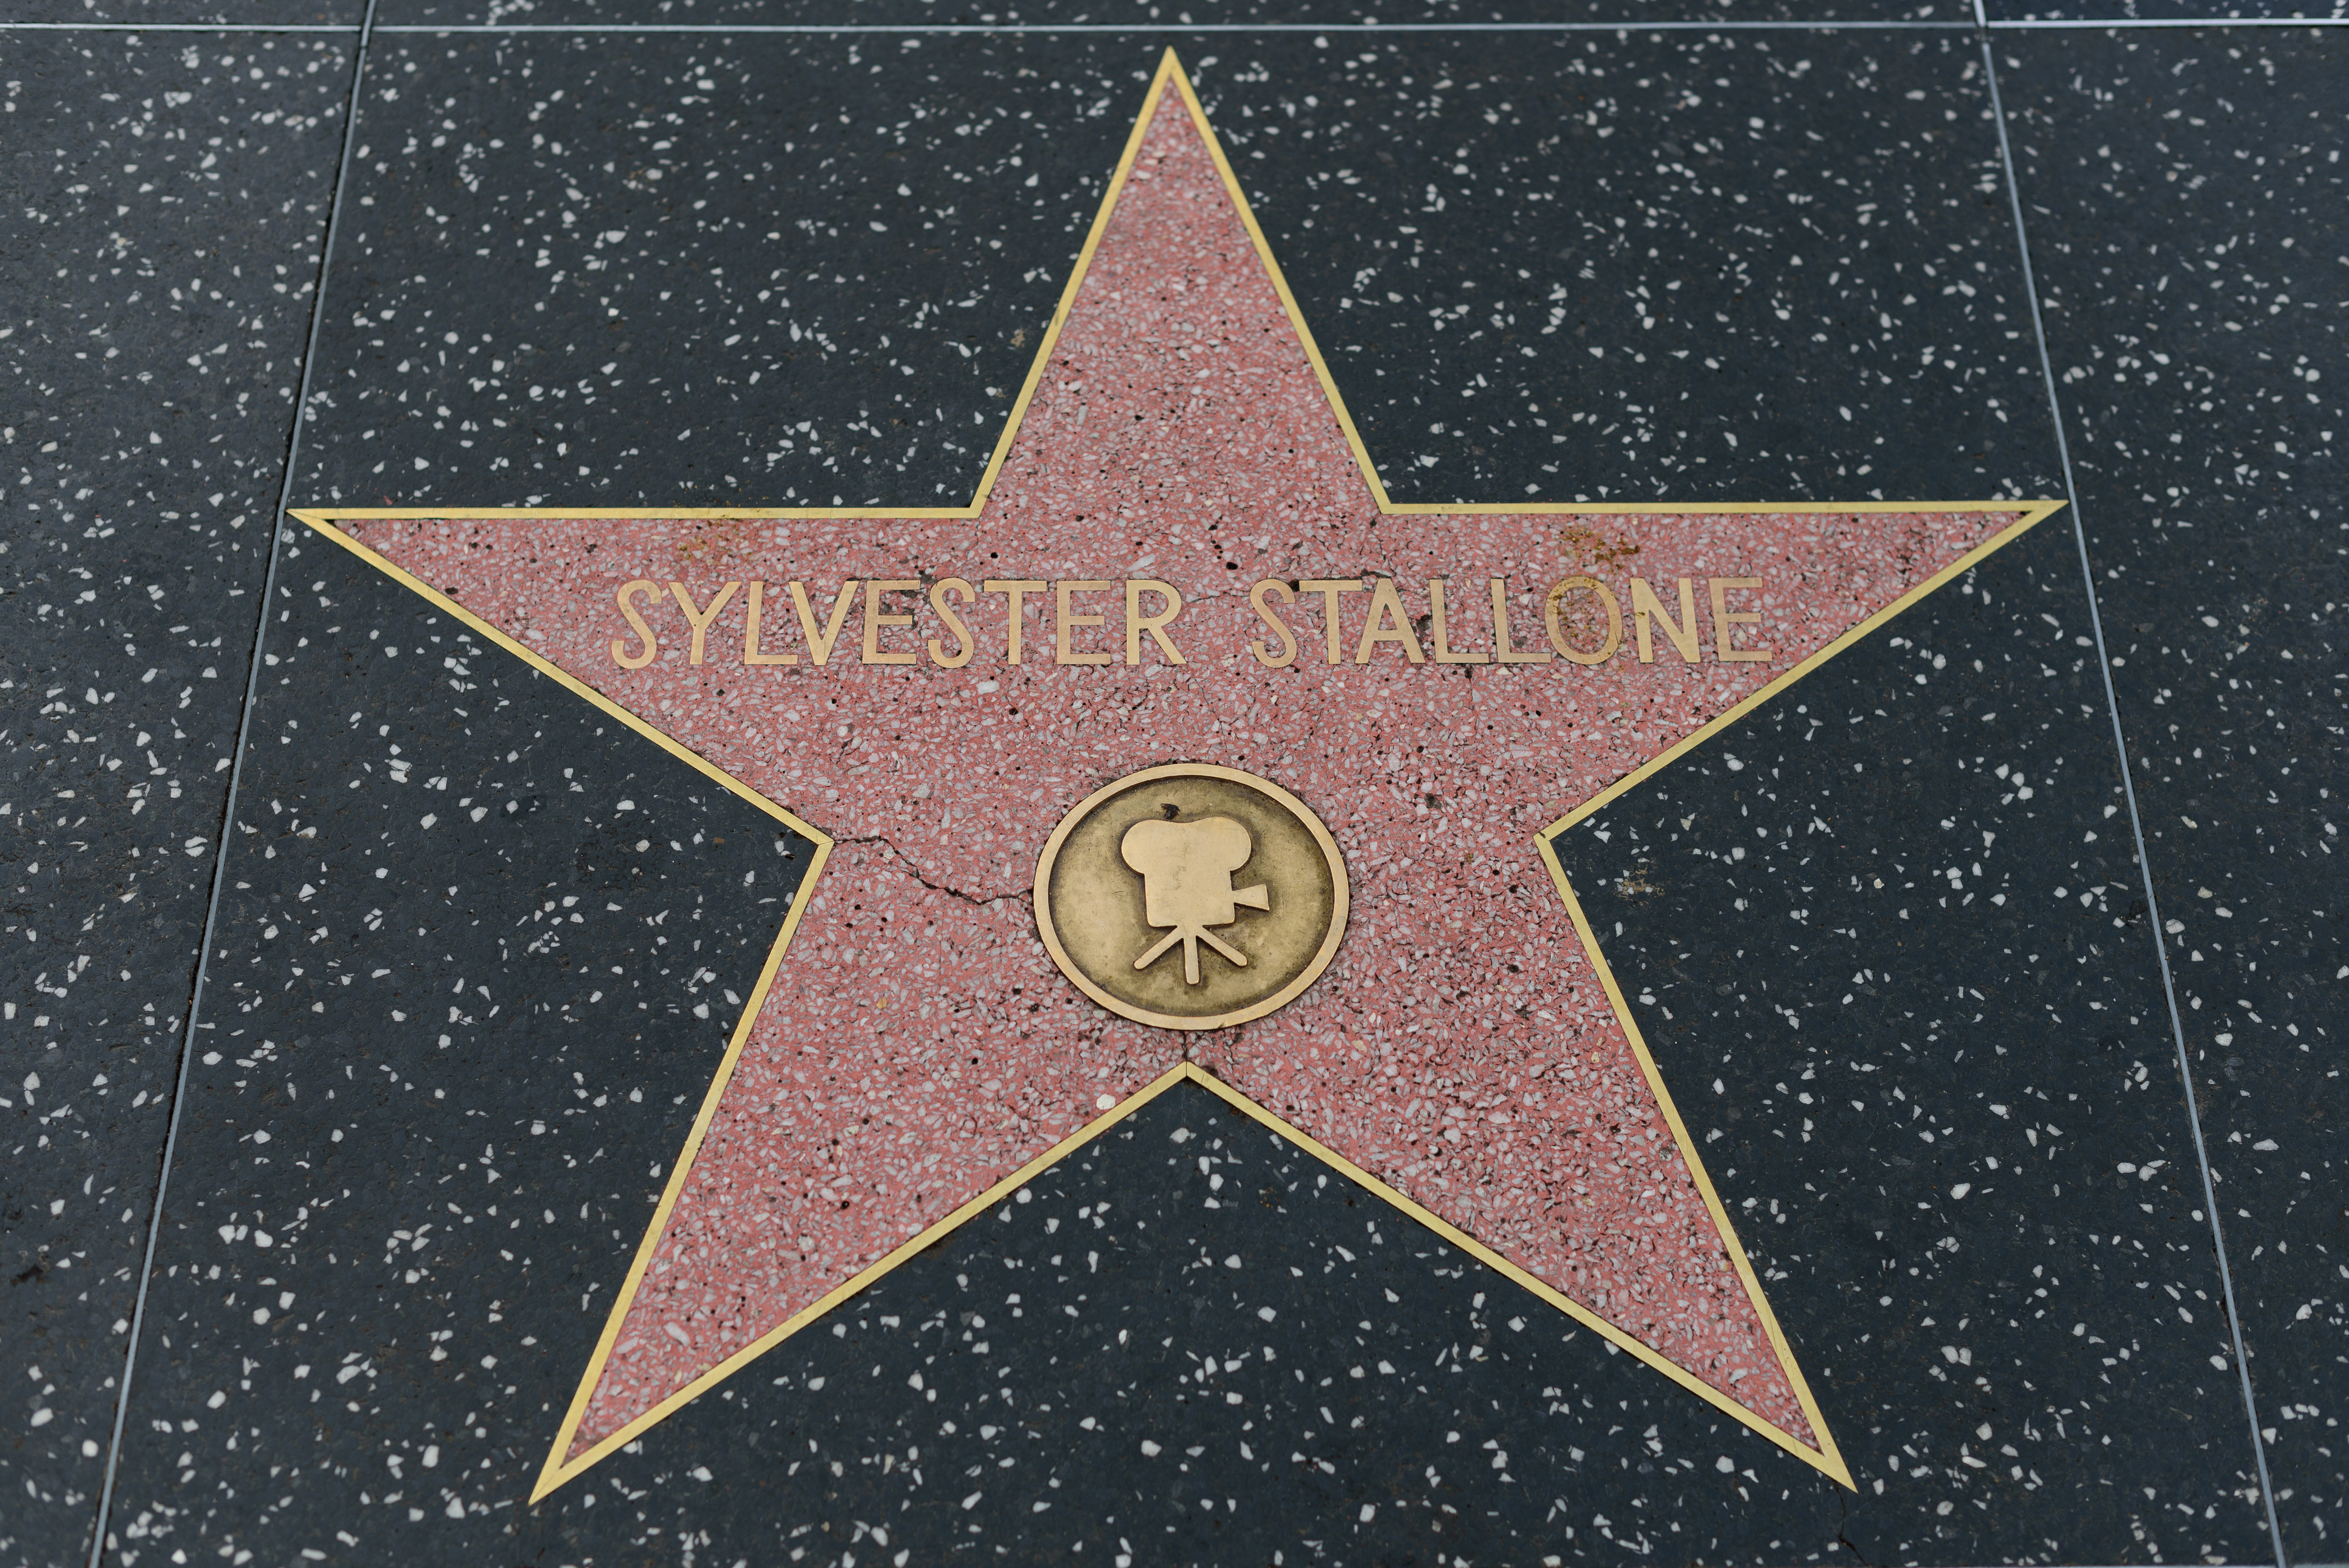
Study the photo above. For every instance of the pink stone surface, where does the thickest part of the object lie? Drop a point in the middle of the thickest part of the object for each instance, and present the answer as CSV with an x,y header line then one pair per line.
x,y
918,1046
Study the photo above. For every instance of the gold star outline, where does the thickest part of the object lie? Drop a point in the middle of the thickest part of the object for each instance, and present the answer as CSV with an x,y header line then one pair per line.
x,y
558,1469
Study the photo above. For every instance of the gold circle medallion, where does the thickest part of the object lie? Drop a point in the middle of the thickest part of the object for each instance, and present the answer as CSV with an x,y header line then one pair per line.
x,y
1191,897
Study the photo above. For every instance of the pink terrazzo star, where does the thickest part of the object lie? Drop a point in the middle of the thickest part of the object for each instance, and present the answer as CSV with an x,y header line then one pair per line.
x,y
917,1044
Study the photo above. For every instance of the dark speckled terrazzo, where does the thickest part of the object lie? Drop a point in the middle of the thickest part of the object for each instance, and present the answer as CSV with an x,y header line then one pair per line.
x,y
300,14
1188,1343
2159,10
166,199
479,959
696,270
1470,223
2190,250
1192,1344
692,267
1700,268
1145,14
1946,1112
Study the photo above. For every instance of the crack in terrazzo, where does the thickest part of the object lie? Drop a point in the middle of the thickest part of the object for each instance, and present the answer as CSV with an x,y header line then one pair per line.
x,y
914,871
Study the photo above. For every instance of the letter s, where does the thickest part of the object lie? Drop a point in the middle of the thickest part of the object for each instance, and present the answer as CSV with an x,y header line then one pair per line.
x,y
964,645
620,657
1256,596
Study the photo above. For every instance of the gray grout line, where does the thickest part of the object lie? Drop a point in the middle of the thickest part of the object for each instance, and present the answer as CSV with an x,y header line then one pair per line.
x,y
1083,28
178,27
2038,25
1079,29
821,29
2136,822
861,30
235,776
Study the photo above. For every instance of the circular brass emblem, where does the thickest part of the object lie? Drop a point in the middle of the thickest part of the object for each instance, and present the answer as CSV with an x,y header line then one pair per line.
x,y
1191,897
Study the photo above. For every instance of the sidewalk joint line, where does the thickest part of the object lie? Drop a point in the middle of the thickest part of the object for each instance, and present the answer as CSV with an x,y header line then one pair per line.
x,y
2137,823
1157,29
1085,29
228,806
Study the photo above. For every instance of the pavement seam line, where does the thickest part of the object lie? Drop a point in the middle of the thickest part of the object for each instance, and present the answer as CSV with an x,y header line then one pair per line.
x,y
2137,823
228,806
859,29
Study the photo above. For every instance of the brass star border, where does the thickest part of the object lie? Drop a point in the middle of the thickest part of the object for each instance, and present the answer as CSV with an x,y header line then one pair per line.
x,y
1826,1458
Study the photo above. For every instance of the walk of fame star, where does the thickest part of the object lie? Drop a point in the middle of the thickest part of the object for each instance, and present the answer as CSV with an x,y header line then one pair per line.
x,y
925,694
